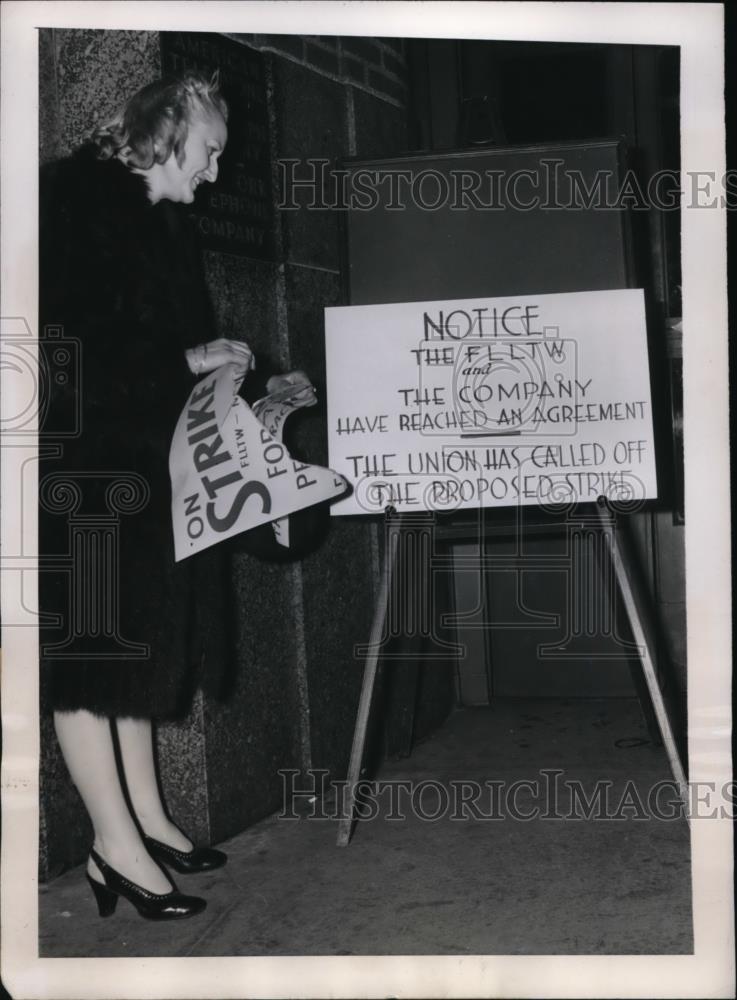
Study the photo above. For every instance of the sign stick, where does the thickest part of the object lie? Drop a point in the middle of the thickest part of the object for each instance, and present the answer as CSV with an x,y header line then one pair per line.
x,y
642,631
391,545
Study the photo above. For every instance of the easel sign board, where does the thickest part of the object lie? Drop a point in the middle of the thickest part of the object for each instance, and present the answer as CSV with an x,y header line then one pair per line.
x,y
498,402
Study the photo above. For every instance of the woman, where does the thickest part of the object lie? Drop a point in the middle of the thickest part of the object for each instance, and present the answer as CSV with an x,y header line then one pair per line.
x,y
120,274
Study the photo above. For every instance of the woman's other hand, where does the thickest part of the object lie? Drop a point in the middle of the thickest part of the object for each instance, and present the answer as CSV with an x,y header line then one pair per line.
x,y
208,357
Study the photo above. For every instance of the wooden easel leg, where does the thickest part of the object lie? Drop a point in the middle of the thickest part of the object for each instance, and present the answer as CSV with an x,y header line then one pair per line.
x,y
635,612
646,707
345,824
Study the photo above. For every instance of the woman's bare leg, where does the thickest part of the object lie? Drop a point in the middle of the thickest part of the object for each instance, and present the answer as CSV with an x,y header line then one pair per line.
x,y
137,750
87,745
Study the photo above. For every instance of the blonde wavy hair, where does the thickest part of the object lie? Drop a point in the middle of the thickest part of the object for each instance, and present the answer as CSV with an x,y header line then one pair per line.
x,y
156,119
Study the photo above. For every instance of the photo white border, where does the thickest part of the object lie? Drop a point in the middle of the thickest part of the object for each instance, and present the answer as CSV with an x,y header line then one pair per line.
x,y
709,972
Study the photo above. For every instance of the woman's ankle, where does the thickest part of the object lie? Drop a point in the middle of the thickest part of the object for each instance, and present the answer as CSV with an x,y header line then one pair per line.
x,y
166,832
129,857
93,869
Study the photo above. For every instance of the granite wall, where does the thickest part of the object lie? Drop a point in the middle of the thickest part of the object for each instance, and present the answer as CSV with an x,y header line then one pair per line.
x,y
295,701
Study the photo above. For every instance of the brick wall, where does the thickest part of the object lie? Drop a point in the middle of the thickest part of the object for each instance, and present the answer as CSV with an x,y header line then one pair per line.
x,y
374,65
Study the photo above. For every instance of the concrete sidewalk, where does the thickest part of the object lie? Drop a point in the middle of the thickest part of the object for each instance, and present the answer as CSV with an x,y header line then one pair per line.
x,y
443,886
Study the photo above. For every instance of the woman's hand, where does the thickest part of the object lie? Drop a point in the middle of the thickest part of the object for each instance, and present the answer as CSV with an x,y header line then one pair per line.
x,y
208,357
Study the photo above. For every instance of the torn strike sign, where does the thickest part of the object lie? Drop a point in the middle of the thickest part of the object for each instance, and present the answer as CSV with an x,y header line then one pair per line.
x,y
229,472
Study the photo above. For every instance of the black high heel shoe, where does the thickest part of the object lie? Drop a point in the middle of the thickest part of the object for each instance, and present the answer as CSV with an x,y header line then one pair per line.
x,y
172,905
199,859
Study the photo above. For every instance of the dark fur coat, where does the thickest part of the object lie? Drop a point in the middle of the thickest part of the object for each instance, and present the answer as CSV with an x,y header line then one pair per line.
x,y
124,279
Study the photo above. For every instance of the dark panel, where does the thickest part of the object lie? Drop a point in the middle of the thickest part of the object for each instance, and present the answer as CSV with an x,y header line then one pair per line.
x,y
485,246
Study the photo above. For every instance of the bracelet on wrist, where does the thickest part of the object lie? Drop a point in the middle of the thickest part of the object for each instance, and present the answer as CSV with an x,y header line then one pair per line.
x,y
197,357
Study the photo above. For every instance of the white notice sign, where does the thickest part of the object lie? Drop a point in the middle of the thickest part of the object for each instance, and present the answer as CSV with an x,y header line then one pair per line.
x,y
490,402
